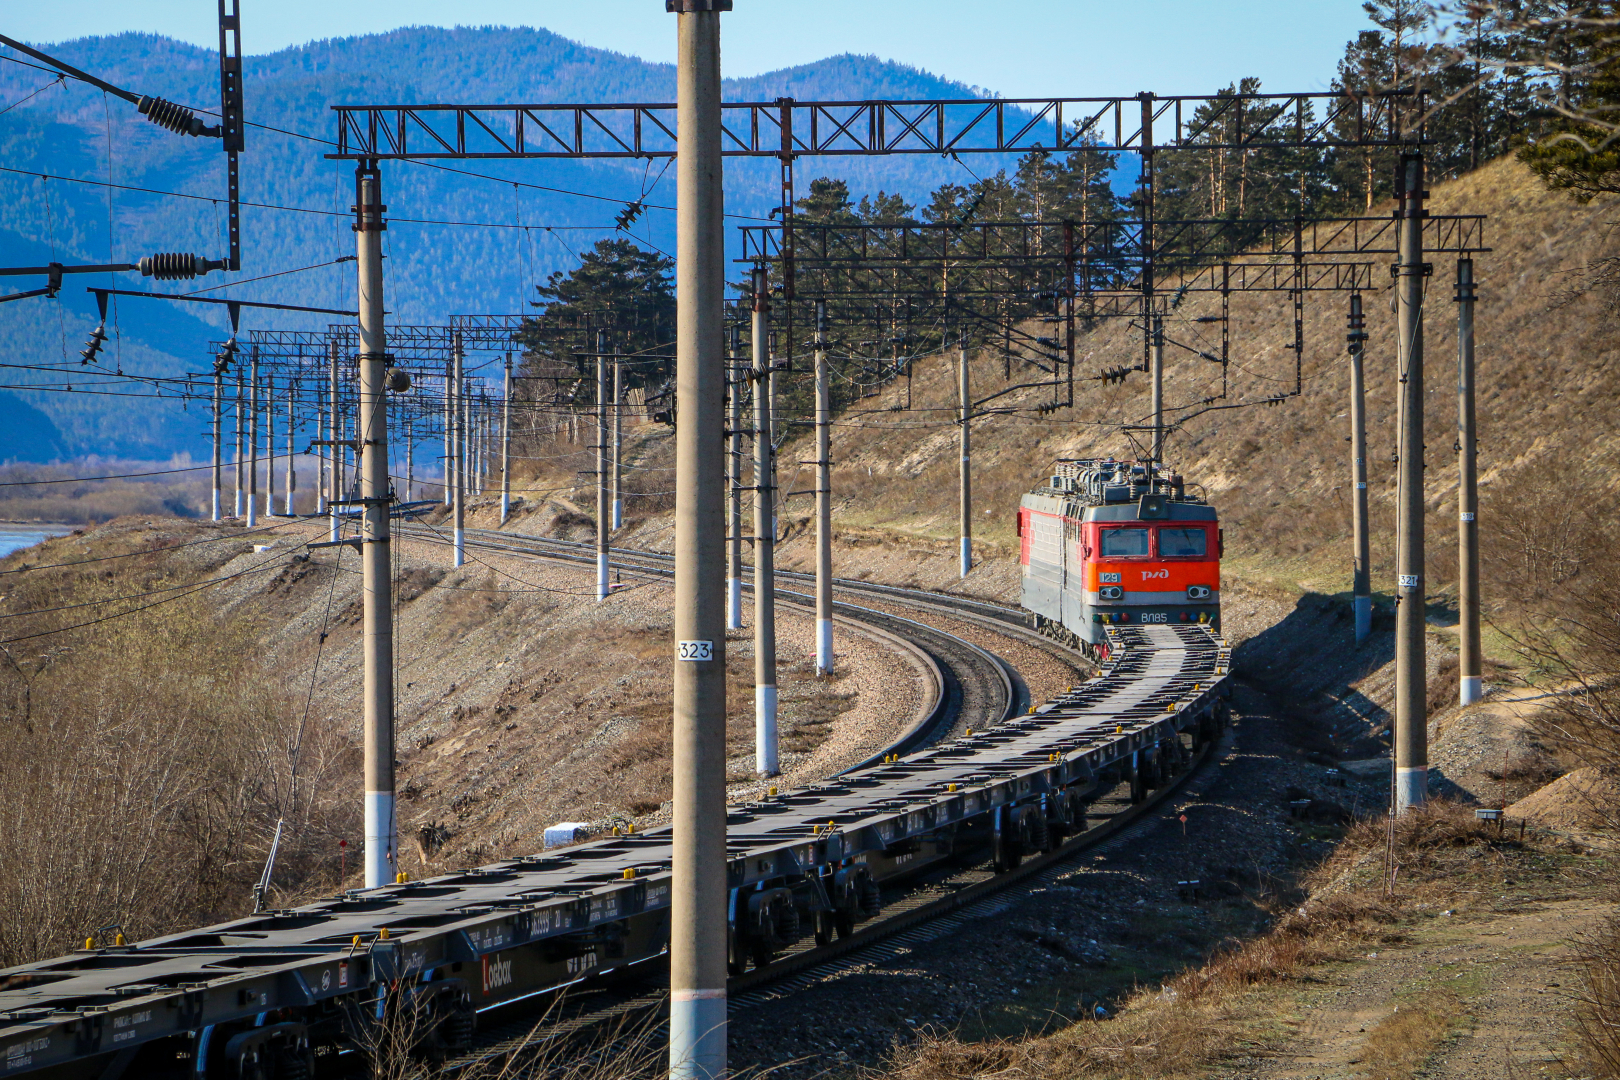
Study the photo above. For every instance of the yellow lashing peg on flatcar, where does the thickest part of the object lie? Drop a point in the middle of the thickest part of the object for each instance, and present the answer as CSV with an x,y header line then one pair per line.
x,y
629,873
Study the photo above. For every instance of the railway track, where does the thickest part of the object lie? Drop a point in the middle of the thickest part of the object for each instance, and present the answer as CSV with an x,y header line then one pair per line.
x,y
860,599
976,687
814,873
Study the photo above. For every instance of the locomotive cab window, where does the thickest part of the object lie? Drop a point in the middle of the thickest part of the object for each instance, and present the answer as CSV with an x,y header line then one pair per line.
x,y
1183,543
1123,543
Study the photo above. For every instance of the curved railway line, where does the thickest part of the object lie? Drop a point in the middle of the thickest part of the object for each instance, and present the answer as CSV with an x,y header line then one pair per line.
x,y
814,874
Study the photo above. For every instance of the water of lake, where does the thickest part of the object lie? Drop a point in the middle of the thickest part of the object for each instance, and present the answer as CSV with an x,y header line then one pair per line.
x,y
15,537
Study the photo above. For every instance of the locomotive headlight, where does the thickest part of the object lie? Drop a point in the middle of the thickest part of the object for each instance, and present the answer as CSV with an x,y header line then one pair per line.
x,y
1111,592
1198,592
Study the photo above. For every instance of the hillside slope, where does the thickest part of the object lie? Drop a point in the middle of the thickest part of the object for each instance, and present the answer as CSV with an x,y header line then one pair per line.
x,y
1547,373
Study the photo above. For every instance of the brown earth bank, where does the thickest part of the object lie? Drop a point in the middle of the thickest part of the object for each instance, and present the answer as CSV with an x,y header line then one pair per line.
x,y
521,702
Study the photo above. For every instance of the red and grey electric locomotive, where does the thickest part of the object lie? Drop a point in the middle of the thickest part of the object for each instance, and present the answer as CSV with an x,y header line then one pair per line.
x,y
1107,542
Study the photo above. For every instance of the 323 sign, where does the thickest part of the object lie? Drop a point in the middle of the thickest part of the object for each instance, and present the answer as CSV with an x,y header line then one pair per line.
x,y
694,650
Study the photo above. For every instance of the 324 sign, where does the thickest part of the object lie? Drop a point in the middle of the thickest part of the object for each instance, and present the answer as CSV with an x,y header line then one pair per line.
x,y
694,650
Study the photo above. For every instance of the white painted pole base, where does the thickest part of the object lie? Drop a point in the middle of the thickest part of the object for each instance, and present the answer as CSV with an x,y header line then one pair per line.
x,y
824,649
765,730
215,516
380,839
506,507
291,507
461,547
1361,607
967,555
1473,688
733,604
1411,788
236,510
618,513
602,589
334,528
697,1034
252,512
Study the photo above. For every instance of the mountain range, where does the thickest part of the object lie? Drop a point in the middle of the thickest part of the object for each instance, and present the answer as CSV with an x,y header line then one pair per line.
x,y
513,238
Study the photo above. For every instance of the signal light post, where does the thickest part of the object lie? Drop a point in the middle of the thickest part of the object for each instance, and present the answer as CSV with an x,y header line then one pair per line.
x,y
1468,653
1361,576
1411,699
698,928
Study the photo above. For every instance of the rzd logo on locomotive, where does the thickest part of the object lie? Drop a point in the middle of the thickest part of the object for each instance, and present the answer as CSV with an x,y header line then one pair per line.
x,y
497,972
1163,572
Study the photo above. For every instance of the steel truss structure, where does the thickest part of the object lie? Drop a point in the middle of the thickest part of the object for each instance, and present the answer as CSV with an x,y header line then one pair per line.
x,y
787,128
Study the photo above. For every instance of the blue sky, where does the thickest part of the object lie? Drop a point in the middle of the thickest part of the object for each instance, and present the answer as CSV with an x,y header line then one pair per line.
x,y
1018,48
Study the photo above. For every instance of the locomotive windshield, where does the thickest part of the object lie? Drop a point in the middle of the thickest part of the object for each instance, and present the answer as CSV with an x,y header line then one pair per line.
x,y
1183,543
1124,543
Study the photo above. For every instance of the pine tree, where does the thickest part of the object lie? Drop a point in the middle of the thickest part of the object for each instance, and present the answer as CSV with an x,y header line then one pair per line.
x,y
616,283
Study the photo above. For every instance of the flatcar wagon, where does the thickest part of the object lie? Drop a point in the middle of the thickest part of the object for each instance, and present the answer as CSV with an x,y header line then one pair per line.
x,y
1117,543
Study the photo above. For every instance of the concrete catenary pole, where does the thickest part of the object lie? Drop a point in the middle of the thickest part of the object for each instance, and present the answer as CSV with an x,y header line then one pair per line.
x,y
604,510
410,458
449,430
458,450
764,539
736,380
698,930
270,446
253,440
322,472
824,624
965,401
618,440
241,481
219,420
334,430
1411,706
1468,659
376,585
292,432
1361,571
1157,364
506,442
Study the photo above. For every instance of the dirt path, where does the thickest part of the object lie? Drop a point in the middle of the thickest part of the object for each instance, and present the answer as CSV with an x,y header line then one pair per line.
x,y
1486,996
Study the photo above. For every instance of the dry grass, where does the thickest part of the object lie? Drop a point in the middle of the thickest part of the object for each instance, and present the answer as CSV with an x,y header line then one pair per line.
x,y
1400,1043
1225,1008
1597,1017
146,761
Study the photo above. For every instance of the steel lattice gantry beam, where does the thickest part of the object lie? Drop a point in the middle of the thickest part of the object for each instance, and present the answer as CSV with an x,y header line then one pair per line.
x,y
1056,243
788,128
